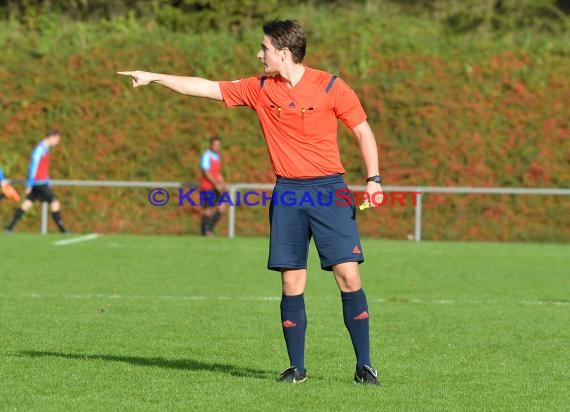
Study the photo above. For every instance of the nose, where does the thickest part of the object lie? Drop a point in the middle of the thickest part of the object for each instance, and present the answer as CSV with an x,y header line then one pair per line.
x,y
260,54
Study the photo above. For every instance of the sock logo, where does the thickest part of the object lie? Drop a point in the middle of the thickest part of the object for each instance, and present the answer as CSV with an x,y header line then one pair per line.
x,y
362,316
289,324
356,250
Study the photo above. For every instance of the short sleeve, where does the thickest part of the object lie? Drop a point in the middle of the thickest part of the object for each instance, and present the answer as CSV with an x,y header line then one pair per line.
x,y
205,162
244,92
347,105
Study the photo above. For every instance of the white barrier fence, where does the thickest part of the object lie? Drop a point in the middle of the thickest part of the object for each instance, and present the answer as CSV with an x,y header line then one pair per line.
x,y
235,187
408,189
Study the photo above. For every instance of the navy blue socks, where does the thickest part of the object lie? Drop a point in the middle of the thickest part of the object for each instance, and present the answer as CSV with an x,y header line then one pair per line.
x,y
17,216
216,219
294,322
206,225
58,221
355,311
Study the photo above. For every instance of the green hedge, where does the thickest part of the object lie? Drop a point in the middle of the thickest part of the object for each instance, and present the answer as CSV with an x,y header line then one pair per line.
x,y
447,110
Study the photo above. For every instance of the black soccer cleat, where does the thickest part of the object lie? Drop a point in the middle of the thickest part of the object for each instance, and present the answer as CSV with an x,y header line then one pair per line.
x,y
366,376
292,375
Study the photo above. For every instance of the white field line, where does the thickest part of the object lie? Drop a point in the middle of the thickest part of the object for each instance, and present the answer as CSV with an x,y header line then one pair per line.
x,y
278,298
76,239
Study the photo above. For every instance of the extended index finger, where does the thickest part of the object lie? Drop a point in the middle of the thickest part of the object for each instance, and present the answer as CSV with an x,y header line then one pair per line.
x,y
126,73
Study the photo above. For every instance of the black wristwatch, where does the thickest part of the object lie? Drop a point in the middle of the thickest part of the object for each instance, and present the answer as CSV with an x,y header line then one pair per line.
x,y
375,179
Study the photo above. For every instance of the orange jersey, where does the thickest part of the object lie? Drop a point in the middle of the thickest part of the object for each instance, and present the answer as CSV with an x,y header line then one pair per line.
x,y
300,123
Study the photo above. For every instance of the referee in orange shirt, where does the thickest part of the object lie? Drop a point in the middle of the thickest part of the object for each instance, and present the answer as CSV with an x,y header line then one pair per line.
x,y
298,108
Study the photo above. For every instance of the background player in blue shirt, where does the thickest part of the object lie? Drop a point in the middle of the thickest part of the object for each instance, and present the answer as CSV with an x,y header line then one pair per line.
x,y
37,184
212,186
2,183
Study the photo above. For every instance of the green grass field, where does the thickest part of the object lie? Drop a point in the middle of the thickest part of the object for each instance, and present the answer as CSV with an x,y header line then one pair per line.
x,y
186,323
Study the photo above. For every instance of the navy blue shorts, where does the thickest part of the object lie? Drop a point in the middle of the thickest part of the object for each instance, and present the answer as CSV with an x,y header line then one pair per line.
x,y
43,193
321,208
209,198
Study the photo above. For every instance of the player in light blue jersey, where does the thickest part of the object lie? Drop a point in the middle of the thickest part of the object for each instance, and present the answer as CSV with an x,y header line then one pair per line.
x,y
37,184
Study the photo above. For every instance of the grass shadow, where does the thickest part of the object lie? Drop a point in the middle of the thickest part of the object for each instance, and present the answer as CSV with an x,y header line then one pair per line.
x,y
184,364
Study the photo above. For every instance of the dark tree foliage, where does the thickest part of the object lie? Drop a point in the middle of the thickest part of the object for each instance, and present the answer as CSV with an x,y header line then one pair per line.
x,y
176,15
457,16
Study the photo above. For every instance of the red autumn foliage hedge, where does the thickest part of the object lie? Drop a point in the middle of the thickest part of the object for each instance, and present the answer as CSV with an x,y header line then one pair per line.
x,y
488,115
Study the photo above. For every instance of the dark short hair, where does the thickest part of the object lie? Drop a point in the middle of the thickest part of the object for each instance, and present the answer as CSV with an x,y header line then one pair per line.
x,y
214,138
52,132
287,33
